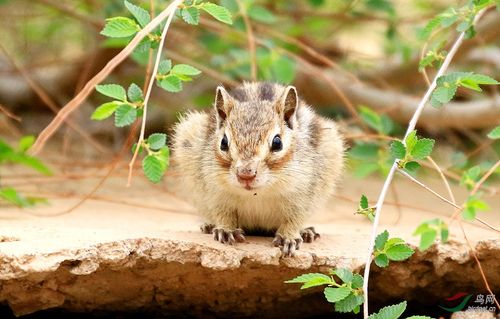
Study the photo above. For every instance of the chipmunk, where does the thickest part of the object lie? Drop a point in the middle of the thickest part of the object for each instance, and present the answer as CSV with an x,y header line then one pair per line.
x,y
261,159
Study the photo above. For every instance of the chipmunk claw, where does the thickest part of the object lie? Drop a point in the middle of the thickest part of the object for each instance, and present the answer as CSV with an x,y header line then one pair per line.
x,y
288,246
309,234
207,228
228,236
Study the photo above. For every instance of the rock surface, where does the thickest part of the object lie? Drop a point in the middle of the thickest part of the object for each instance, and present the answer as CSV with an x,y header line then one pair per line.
x,y
140,249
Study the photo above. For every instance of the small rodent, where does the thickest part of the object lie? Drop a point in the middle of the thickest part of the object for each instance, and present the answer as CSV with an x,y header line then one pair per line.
x,y
260,160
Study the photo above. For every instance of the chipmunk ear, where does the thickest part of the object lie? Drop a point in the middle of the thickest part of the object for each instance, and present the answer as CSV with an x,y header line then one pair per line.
x,y
288,105
223,104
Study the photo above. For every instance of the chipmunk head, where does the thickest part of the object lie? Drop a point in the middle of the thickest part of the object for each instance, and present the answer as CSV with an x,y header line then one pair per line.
x,y
255,132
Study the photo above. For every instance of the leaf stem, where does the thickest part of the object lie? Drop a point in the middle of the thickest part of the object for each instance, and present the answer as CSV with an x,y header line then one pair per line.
x,y
411,126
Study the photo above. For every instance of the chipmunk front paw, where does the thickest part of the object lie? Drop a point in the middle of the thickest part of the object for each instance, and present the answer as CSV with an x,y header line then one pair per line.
x,y
309,234
227,236
288,245
207,228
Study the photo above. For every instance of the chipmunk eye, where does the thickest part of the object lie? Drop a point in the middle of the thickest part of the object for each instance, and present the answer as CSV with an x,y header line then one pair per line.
x,y
277,145
224,146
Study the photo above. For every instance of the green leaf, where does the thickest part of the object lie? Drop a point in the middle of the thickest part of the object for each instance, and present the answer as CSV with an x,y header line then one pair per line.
x,y
423,148
372,119
479,78
30,161
125,115
318,281
25,143
349,303
381,240
365,169
104,111
412,166
11,196
307,277
218,12
382,260
135,93
419,317
164,67
157,141
191,15
261,14
185,69
112,90
495,133
153,168
284,69
141,15
399,252
427,239
411,140
442,95
363,203
397,149
393,241
364,151
357,281
344,274
390,312
120,27
336,294
171,83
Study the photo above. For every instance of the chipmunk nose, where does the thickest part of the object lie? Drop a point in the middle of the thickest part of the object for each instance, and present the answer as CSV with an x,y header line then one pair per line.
x,y
246,173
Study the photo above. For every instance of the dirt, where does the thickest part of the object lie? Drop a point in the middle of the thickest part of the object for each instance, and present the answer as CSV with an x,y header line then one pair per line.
x,y
139,249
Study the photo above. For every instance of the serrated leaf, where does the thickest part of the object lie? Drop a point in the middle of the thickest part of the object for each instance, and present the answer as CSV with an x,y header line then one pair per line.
x,y
120,27
171,83
25,143
112,90
153,168
349,303
125,115
427,239
104,111
357,281
185,69
318,281
390,312
336,294
411,140
423,148
135,93
157,141
363,203
261,14
494,134
218,12
412,166
141,15
381,239
399,252
307,277
344,274
442,95
164,67
191,15
393,241
382,260
430,26
397,149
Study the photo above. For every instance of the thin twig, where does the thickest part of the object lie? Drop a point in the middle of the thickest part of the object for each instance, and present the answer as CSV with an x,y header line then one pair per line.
x,y
148,92
416,181
98,78
9,114
251,41
390,176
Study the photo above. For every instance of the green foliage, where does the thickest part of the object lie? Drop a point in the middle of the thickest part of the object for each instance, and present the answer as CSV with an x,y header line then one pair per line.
x,y
415,149
364,209
170,78
428,232
472,205
120,27
447,85
141,15
394,312
393,249
380,123
494,134
261,14
11,155
190,13
470,177
127,106
346,295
